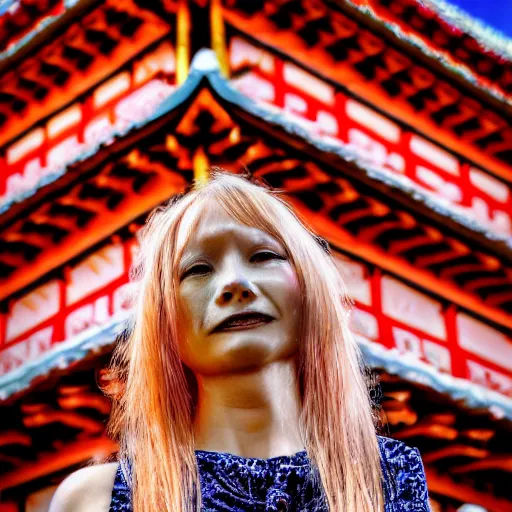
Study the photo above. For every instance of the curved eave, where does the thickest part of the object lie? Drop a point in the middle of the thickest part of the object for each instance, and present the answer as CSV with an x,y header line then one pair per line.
x,y
490,38
205,73
410,369
94,341
438,58
90,159
63,356
339,154
42,32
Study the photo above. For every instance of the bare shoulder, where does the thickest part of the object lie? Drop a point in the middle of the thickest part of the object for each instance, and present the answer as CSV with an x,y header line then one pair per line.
x,y
86,490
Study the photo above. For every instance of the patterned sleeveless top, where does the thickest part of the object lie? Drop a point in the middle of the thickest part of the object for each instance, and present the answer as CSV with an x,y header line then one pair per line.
x,y
231,483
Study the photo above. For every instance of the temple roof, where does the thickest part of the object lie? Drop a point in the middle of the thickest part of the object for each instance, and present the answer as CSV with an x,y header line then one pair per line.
x,y
360,51
21,21
363,56
317,187
61,360
469,250
205,67
487,36
69,53
449,35
454,39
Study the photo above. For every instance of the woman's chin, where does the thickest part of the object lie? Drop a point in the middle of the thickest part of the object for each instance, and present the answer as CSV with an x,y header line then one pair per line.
x,y
243,350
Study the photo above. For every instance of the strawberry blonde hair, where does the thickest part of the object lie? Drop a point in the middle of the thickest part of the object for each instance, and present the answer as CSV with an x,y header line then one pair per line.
x,y
152,414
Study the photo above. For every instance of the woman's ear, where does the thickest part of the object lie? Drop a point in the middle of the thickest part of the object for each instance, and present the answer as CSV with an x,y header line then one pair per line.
x,y
110,383
111,380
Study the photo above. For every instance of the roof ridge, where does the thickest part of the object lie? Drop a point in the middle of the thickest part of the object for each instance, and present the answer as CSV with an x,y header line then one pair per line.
x,y
490,37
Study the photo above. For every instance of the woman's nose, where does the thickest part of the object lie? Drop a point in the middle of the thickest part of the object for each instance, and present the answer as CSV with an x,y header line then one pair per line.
x,y
239,291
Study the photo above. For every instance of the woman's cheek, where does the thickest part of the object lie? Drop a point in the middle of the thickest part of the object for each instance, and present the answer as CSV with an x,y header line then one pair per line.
x,y
189,308
292,282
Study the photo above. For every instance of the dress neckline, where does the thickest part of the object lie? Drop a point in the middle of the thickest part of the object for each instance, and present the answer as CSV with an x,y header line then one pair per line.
x,y
299,458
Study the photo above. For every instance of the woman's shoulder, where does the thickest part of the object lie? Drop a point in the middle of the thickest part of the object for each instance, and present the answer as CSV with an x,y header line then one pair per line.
x,y
404,474
87,490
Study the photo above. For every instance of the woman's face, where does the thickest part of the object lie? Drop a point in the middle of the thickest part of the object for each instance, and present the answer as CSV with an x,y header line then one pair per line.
x,y
226,269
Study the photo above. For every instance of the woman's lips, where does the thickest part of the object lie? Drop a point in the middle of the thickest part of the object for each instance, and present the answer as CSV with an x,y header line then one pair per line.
x,y
249,322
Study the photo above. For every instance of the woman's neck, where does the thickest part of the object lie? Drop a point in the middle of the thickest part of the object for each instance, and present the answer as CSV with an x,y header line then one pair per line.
x,y
251,414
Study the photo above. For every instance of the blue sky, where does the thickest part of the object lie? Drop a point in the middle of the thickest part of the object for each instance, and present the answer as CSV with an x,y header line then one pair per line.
x,y
497,13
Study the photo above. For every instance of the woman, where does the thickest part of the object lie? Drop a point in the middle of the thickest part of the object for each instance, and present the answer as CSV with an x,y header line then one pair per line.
x,y
241,377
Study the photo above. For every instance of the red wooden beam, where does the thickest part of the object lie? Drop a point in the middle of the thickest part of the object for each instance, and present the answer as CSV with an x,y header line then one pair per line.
x,y
70,455
444,485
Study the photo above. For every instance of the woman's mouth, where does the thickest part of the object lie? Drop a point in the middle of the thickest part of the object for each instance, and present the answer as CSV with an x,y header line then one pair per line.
x,y
243,321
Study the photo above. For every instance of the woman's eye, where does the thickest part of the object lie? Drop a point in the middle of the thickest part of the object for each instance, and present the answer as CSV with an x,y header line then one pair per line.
x,y
196,269
265,255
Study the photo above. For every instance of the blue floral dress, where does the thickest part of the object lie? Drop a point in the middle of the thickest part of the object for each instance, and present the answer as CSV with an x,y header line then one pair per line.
x,y
231,483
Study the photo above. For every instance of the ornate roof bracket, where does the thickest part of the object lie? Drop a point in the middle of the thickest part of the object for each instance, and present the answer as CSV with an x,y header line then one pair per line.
x,y
43,32
501,45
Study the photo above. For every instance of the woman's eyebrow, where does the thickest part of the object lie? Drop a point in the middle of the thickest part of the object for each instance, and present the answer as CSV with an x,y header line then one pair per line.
x,y
187,257
202,244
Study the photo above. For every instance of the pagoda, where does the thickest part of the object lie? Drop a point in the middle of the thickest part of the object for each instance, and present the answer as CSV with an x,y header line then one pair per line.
x,y
386,122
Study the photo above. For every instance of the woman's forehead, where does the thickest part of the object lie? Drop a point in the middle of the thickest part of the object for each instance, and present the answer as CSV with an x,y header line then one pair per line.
x,y
213,222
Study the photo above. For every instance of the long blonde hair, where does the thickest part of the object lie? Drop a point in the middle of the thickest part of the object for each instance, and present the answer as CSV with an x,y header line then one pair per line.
x,y
152,417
